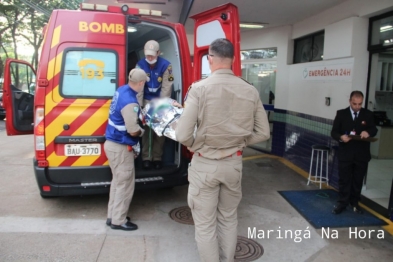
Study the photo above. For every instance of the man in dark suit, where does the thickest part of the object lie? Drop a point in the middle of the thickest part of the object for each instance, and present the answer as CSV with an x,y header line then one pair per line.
x,y
353,155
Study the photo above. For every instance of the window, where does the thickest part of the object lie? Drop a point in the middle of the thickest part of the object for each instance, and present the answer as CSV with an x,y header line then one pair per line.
x,y
89,73
309,48
245,56
382,30
262,75
259,68
22,78
259,53
205,67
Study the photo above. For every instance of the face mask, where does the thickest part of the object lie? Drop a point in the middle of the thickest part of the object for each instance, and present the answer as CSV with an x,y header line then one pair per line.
x,y
151,62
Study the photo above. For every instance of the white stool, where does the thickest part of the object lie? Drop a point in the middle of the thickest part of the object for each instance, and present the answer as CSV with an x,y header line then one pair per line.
x,y
321,178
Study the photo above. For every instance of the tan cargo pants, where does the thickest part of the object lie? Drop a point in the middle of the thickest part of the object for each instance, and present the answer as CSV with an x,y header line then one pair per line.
x,y
121,162
214,194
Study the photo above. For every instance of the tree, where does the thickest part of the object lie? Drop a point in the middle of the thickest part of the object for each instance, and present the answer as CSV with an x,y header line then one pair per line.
x,y
22,21
7,25
31,32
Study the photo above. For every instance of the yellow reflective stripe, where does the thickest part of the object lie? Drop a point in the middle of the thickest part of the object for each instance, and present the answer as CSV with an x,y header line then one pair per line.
x,y
85,161
45,33
54,66
84,101
56,36
88,161
67,117
49,102
94,122
56,97
55,160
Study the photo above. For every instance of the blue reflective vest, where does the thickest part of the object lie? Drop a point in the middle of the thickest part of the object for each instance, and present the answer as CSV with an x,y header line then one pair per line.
x,y
116,130
153,87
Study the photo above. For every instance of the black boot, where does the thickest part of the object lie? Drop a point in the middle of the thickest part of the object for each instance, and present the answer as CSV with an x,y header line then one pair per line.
x,y
146,164
157,164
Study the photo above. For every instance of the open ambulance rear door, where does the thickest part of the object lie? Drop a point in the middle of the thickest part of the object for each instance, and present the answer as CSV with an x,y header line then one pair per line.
x,y
18,97
219,22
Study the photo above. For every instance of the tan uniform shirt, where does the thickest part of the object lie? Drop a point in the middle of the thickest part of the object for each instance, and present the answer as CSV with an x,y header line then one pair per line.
x,y
130,116
227,113
167,80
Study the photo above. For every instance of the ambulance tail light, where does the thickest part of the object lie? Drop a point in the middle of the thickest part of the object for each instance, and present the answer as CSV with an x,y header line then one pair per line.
x,y
46,188
39,134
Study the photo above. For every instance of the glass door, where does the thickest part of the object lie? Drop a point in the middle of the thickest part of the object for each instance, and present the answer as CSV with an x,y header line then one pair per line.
x,y
378,181
261,73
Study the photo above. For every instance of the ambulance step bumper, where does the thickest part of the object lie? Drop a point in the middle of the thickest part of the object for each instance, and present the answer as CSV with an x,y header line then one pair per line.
x,y
62,182
138,180
96,184
149,179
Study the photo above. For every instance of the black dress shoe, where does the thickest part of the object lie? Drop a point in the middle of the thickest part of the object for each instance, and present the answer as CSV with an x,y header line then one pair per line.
x,y
128,226
109,221
338,209
157,164
146,164
357,209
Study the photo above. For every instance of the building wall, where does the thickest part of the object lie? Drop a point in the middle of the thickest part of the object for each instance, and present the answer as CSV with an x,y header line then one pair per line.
x,y
301,117
350,8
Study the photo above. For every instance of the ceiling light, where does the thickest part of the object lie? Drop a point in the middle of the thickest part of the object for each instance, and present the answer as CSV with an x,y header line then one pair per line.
x,y
262,74
251,25
385,28
388,42
131,29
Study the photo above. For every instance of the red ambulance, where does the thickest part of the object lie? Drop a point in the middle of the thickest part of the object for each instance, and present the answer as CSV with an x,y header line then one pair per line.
x,y
86,55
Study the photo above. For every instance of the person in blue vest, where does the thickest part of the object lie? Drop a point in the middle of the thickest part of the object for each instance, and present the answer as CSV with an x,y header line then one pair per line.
x,y
122,134
159,70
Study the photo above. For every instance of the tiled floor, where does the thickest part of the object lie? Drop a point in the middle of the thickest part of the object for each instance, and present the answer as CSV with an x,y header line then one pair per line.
x,y
379,181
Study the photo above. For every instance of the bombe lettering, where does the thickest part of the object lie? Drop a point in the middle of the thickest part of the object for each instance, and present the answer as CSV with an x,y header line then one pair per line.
x,y
96,27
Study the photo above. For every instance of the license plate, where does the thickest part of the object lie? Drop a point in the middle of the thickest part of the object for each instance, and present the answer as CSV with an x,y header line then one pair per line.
x,y
82,150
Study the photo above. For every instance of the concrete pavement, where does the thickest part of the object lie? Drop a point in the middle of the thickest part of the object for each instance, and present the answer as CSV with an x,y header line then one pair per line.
x,y
73,228
2,125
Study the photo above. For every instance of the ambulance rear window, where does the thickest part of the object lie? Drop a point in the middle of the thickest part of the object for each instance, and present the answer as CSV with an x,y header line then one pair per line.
x,y
89,73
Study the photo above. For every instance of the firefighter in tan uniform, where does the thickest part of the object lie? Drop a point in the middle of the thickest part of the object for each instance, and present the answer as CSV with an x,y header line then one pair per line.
x,y
122,134
228,115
